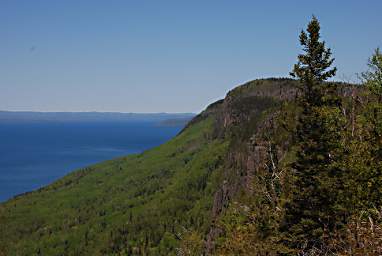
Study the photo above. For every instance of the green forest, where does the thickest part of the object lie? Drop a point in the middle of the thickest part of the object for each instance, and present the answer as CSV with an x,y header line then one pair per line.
x,y
280,166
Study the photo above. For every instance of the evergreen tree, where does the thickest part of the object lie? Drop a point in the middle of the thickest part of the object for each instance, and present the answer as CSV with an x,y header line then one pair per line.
x,y
312,66
314,210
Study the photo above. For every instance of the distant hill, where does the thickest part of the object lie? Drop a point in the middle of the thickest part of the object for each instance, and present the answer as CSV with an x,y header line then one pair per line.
x,y
26,116
177,121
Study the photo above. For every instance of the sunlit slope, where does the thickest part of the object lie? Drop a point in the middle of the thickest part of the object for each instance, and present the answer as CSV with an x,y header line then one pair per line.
x,y
165,201
134,204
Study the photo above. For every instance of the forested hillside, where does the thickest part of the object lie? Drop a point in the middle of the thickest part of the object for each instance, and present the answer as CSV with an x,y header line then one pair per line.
x,y
152,203
133,204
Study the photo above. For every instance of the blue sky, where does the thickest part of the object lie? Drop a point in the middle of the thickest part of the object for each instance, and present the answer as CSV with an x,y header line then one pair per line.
x,y
164,56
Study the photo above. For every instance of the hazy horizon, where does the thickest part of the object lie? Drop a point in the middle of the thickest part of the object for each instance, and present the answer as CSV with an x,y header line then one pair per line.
x,y
100,112
32,116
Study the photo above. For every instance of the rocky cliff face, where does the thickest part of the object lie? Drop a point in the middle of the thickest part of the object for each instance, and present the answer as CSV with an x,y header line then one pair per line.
x,y
259,119
248,116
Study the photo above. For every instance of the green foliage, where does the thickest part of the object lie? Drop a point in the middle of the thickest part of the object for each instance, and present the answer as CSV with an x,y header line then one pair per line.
x,y
248,231
364,150
312,67
363,182
192,244
132,205
315,209
373,77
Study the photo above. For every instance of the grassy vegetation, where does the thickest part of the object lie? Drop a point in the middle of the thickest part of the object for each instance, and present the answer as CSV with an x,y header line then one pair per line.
x,y
134,205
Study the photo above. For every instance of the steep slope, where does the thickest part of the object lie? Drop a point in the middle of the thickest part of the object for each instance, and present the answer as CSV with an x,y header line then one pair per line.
x,y
259,179
166,200
91,210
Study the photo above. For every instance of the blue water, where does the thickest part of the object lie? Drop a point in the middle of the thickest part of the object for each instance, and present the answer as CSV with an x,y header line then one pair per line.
x,y
37,153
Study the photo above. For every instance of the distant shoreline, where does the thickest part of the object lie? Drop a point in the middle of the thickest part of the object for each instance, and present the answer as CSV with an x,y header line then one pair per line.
x,y
30,116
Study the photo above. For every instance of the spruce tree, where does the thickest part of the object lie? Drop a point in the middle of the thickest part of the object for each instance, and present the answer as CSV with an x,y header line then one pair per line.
x,y
313,211
312,66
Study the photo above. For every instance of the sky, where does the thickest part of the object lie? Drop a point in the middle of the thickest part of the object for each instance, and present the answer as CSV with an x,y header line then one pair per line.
x,y
165,56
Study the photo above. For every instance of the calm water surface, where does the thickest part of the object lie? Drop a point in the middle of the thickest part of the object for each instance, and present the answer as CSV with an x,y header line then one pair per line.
x,y
37,153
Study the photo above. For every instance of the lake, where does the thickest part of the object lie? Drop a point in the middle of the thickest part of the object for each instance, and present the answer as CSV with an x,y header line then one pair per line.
x,y
34,154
